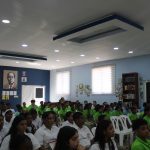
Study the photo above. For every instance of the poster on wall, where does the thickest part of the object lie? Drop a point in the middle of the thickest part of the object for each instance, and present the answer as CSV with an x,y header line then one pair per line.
x,y
10,79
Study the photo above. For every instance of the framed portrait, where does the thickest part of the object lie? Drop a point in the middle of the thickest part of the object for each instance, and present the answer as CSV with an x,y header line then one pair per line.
x,y
10,79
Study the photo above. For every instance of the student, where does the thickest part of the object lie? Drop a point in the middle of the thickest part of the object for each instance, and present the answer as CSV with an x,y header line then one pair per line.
x,y
133,115
3,130
147,115
141,129
103,137
22,142
67,139
18,127
69,120
48,131
85,135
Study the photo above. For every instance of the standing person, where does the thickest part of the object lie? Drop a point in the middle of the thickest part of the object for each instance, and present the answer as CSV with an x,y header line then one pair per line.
x,y
142,141
103,137
18,127
68,139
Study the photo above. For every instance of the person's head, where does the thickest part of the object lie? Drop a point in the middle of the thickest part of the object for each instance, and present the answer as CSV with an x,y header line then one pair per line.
x,y
147,110
10,78
32,102
67,139
140,126
28,118
48,118
1,121
19,125
8,115
24,104
78,119
69,116
104,132
21,142
33,113
134,109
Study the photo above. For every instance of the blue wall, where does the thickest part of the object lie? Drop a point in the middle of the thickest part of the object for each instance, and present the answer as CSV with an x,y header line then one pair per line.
x,y
82,74
34,77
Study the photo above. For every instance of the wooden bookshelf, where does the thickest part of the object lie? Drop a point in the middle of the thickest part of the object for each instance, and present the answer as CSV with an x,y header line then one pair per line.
x,y
130,84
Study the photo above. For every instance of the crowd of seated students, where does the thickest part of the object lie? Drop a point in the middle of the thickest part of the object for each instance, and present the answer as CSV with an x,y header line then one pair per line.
x,y
67,125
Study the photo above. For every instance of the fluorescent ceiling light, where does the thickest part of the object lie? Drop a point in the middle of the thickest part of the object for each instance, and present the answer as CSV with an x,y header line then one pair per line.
x,y
82,55
57,60
24,45
130,52
97,58
56,50
34,64
17,62
5,21
72,62
116,48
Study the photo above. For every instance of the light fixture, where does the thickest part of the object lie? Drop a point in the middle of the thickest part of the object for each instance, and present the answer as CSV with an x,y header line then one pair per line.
x,y
116,48
57,60
56,50
6,21
97,58
130,52
24,45
17,62
72,62
34,64
82,55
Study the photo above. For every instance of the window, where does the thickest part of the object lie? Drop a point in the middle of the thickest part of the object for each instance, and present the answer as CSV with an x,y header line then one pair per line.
x,y
103,80
63,83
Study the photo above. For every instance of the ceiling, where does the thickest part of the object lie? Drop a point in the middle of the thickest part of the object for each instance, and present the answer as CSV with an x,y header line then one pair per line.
x,y
36,22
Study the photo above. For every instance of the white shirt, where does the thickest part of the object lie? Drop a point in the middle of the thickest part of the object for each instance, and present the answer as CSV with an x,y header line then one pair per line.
x,y
3,132
96,146
67,123
85,135
5,143
45,135
37,122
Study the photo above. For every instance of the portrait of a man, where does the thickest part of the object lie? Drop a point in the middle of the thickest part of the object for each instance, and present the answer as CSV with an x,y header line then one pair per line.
x,y
10,79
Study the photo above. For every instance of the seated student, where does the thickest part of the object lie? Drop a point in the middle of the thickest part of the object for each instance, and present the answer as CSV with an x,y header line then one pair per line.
x,y
22,142
141,129
3,130
18,127
8,118
69,120
30,126
33,106
85,135
36,120
147,115
133,115
103,137
47,133
68,139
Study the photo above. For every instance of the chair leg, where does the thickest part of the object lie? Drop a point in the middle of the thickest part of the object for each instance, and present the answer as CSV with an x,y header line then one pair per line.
x,y
121,138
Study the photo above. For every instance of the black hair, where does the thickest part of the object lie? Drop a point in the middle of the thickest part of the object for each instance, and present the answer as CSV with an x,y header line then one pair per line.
x,y
100,136
21,141
13,129
138,123
77,115
64,135
68,114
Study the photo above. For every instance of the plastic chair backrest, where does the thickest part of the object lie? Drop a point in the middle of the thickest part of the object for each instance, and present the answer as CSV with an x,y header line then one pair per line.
x,y
93,130
116,123
126,122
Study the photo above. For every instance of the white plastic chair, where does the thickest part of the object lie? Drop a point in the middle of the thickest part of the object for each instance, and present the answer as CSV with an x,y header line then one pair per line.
x,y
121,127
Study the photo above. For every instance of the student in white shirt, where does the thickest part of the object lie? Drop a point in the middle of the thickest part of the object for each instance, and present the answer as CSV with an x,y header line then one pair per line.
x,y
47,133
103,136
18,127
69,119
3,130
68,139
85,135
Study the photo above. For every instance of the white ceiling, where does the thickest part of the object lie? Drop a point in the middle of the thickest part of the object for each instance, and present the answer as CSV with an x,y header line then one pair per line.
x,y
35,22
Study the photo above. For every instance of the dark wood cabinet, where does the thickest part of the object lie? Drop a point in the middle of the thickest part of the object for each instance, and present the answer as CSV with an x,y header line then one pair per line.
x,y
130,84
